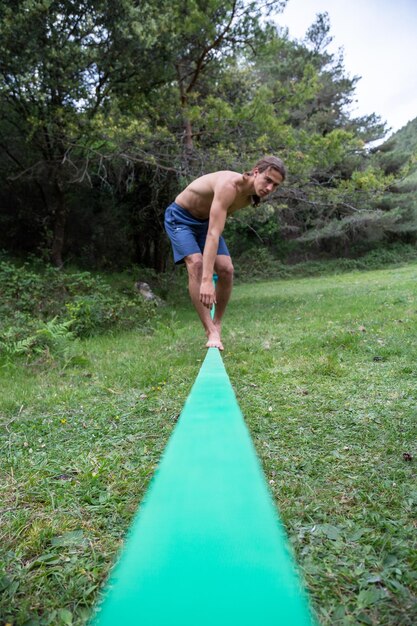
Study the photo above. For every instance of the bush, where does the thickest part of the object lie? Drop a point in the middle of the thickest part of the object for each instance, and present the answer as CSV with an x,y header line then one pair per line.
x,y
257,264
44,340
91,314
43,310
260,264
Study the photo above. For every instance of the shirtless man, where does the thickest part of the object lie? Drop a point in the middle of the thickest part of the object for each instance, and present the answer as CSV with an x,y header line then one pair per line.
x,y
195,222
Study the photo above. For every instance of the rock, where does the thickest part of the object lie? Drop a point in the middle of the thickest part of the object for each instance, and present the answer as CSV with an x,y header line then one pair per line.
x,y
147,293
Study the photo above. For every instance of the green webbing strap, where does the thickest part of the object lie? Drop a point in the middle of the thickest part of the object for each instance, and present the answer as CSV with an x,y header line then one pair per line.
x,y
207,547
213,308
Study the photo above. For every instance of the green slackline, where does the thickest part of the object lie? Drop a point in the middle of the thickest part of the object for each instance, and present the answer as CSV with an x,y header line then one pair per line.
x,y
207,547
213,308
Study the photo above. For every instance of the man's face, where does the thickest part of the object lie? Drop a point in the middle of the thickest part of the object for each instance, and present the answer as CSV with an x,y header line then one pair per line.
x,y
266,181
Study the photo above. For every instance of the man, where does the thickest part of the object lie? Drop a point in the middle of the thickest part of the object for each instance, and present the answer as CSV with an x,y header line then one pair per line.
x,y
195,222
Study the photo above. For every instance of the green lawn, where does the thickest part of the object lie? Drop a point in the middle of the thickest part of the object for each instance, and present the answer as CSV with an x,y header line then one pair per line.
x,y
325,372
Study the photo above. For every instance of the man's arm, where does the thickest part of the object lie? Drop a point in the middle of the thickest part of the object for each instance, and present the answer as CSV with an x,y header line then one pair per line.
x,y
224,196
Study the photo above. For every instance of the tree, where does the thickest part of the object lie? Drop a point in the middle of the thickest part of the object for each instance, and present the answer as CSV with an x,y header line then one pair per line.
x,y
332,177
135,98
61,62
209,34
398,159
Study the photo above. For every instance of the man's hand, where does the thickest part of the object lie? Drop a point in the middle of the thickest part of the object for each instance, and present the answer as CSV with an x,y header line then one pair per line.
x,y
207,293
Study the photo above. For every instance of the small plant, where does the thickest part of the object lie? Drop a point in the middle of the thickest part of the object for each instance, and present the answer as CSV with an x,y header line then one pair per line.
x,y
43,310
96,313
49,339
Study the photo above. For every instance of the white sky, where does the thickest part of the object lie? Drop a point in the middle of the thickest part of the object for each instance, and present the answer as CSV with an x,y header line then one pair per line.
x,y
379,38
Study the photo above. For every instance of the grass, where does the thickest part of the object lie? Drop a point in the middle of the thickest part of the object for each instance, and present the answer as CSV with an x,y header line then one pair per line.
x,y
325,373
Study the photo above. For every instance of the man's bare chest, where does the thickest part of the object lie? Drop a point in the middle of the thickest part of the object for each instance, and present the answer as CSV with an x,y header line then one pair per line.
x,y
239,203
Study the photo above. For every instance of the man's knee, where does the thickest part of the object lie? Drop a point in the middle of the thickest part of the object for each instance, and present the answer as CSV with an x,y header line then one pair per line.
x,y
225,269
194,264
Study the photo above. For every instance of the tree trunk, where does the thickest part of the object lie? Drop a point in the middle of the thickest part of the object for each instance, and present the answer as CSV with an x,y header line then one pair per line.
x,y
60,214
159,253
188,136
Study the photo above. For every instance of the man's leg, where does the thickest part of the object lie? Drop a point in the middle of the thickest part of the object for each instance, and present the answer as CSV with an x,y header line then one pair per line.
x,y
194,264
224,269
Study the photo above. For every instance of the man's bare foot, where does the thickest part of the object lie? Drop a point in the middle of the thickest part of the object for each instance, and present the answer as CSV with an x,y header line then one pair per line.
x,y
214,341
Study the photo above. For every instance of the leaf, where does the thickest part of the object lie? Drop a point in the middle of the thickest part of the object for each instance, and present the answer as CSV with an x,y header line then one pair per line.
x,y
396,586
103,497
65,616
331,532
48,558
374,579
5,582
358,534
339,612
72,538
367,597
390,560
89,590
13,588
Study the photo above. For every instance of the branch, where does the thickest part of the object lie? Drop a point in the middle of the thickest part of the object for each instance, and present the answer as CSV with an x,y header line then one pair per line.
x,y
291,193
30,169
10,155
248,226
210,47
151,163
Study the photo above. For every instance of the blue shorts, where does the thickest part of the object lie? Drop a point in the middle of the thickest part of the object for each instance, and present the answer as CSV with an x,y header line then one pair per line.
x,y
187,233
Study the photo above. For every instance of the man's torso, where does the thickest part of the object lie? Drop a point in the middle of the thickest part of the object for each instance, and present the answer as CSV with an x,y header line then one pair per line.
x,y
197,198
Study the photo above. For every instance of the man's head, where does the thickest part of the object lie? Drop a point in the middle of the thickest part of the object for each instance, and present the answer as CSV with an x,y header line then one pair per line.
x,y
271,162
268,173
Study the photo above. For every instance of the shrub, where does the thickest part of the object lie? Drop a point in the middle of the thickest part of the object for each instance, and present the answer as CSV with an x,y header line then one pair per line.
x,y
91,314
260,264
43,310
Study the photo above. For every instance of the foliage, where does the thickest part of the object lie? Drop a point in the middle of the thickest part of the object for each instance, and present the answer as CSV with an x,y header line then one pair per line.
x,y
398,158
330,171
43,310
61,63
261,265
94,313
47,335
154,94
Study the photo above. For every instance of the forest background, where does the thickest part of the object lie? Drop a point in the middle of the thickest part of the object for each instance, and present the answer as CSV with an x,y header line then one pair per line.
x,y
109,108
